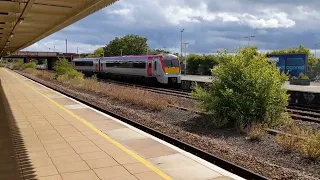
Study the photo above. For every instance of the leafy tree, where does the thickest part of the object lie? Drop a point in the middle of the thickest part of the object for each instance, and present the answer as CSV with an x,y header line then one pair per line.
x,y
158,51
314,71
201,64
130,44
246,90
193,63
207,64
97,53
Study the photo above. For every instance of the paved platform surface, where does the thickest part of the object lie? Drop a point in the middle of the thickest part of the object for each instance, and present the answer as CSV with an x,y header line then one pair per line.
x,y
196,78
55,137
314,86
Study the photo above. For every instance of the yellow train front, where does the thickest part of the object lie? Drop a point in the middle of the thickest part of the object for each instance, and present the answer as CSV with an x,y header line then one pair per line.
x,y
171,71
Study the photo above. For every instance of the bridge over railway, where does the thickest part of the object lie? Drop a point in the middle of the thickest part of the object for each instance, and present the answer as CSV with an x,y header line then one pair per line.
x,y
51,57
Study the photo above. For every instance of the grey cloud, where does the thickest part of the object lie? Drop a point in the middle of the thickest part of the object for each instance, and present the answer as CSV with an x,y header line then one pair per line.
x,y
147,18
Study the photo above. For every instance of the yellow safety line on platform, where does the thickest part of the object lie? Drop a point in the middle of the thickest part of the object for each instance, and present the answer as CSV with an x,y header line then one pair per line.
x,y
139,158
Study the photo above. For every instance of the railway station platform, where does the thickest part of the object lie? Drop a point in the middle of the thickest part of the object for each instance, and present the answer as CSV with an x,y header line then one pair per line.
x,y
300,95
46,135
313,88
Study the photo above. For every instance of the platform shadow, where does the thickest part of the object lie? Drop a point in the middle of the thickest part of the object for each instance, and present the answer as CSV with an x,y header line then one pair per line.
x,y
14,161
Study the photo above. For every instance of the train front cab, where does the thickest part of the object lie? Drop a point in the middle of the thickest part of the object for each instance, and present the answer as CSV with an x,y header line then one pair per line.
x,y
166,69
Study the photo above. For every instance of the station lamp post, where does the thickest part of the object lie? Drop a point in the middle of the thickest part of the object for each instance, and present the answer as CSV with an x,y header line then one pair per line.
x,y
78,52
185,58
249,38
181,41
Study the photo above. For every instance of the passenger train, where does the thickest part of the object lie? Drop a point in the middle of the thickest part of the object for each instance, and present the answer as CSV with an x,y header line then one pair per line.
x,y
164,68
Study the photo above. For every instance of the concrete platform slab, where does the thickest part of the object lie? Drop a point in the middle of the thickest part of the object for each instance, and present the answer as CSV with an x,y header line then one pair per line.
x,y
196,78
118,134
181,167
75,106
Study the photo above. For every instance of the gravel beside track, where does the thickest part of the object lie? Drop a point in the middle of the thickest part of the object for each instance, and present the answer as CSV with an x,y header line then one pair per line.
x,y
265,157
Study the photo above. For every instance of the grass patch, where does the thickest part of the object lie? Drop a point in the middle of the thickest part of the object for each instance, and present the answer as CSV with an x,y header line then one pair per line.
x,y
310,146
136,96
69,76
256,132
290,140
20,65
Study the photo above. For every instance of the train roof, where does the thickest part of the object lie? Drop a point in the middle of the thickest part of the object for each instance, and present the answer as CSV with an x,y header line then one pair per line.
x,y
123,57
85,59
133,56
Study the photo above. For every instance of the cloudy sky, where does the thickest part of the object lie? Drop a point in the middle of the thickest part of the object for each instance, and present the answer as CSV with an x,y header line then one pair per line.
x,y
209,25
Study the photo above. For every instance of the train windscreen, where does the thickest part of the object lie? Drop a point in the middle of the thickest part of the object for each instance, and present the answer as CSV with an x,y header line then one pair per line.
x,y
171,62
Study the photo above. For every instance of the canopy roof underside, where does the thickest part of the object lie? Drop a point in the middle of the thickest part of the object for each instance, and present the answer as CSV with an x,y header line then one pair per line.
x,y
24,22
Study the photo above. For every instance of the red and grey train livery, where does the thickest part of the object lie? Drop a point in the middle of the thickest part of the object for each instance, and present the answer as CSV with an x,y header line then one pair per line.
x,y
165,68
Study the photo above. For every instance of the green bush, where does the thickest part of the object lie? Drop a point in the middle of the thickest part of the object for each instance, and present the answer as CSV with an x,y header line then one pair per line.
x,y
17,65
201,64
64,68
193,62
246,89
314,70
303,76
20,65
29,65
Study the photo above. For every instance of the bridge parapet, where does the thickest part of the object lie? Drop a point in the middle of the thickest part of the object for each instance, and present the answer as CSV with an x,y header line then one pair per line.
x,y
31,54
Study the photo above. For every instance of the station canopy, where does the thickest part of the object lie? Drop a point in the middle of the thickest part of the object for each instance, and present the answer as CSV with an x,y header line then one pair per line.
x,y
24,22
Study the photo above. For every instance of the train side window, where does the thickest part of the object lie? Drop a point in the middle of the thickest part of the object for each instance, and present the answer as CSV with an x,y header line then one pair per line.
x,y
84,63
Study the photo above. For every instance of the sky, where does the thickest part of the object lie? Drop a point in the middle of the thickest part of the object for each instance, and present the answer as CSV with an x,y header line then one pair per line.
x,y
209,25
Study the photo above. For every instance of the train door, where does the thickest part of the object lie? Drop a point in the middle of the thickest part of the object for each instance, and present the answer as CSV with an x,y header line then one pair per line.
x,y
96,65
149,66
157,70
155,67
100,65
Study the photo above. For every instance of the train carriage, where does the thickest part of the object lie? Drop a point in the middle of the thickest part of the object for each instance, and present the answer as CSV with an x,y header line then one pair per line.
x,y
86,65
164,68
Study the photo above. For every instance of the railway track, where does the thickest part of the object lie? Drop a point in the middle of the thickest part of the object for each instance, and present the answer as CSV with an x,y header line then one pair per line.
x,y
304,113
295,111
295,114
227,165
268,130
172,92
